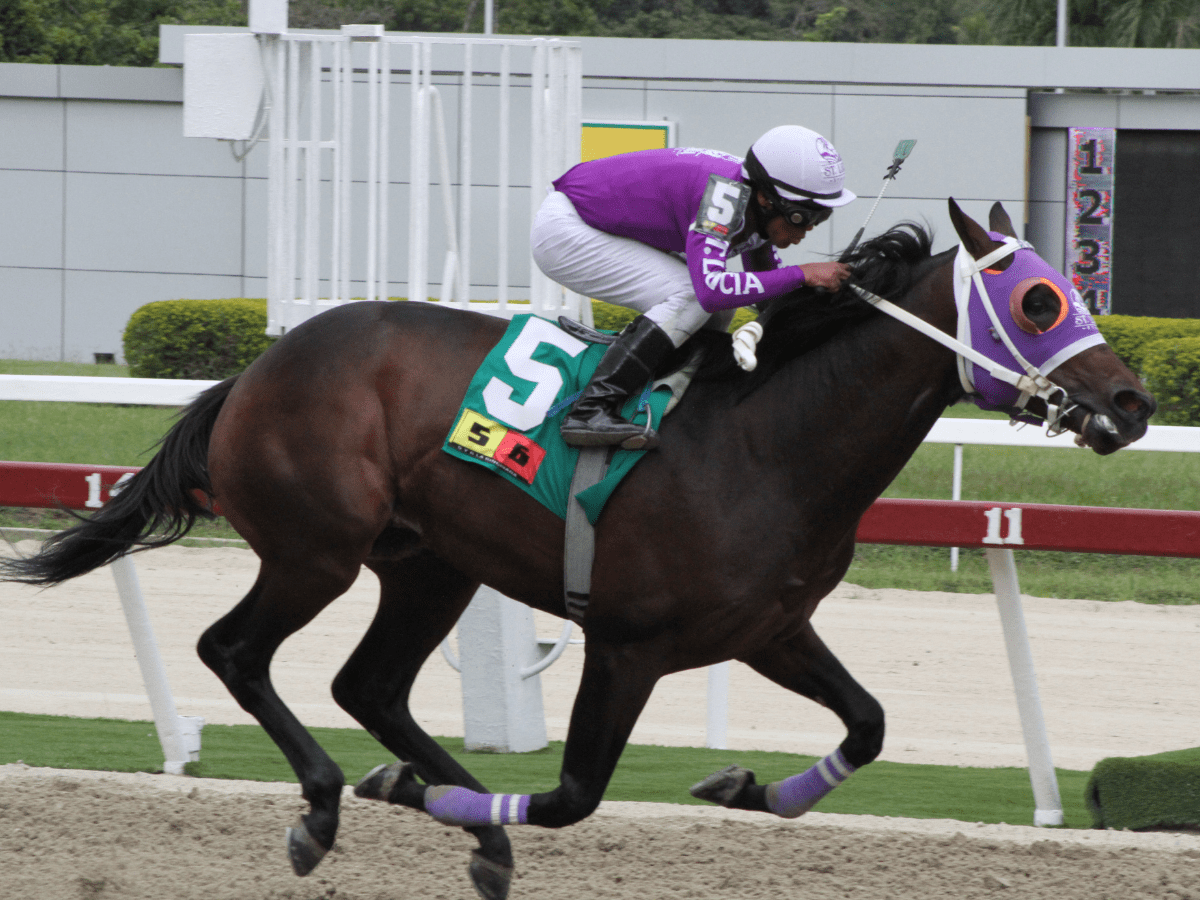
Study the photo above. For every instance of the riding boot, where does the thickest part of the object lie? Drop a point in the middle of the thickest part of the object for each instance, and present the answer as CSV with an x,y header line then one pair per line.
x,y
626,367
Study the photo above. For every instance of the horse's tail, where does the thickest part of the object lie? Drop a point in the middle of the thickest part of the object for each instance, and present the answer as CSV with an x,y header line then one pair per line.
x,y
156,507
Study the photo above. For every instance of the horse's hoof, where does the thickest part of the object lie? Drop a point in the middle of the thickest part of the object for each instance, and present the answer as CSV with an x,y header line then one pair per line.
x,y
303,850
724,786
491,879
379,783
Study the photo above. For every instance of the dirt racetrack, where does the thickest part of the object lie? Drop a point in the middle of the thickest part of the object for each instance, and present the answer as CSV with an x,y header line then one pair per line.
x,y
73,836
1116,679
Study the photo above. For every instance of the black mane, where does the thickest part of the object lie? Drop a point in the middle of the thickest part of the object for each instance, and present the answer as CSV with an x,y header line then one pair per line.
x,y
793,324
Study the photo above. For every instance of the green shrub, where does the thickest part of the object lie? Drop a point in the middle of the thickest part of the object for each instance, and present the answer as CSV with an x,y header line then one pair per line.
x,y
203,339
1130,336
1171,369
1160,791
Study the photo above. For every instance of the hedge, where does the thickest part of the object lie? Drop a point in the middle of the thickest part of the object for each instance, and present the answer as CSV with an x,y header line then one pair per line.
x,y
1171,371
203,339
1130,336
213,339
1160,791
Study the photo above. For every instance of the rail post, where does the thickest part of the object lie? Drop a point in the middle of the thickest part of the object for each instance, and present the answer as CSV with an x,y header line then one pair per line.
x,y
1048,807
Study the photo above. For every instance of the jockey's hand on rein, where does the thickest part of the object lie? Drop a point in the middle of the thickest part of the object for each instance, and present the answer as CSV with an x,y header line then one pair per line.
x,y
826,274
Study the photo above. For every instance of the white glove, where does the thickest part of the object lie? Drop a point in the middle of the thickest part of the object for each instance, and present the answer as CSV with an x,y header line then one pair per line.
x,y
745,340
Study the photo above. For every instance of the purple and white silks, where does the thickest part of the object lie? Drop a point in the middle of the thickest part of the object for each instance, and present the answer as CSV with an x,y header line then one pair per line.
x,y
795,796
1074,332
453,805
654,197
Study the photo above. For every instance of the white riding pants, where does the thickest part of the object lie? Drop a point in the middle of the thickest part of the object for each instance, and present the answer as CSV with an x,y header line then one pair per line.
x,y
618,270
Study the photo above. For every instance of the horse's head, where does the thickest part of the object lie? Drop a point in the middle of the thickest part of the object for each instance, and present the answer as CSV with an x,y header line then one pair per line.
x,y
1020,313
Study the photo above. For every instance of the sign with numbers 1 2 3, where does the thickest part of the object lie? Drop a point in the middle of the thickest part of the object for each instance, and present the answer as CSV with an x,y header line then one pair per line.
x,y
1091,175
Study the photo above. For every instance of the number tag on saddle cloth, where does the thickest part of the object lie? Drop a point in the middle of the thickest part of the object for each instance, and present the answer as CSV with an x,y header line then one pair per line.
x,y
510,417
723,208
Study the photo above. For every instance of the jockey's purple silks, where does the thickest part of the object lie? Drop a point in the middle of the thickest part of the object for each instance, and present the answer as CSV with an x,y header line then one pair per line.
x,y
1073,333
795,796
453,805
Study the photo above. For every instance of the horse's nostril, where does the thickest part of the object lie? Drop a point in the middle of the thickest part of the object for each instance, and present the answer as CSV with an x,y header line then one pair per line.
x,y
1135,403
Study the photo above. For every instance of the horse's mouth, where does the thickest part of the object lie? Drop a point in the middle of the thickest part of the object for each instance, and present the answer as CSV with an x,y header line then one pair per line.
x,y
1100,432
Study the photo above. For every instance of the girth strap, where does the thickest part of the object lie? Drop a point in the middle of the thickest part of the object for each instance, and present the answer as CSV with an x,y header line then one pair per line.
x,y
579,550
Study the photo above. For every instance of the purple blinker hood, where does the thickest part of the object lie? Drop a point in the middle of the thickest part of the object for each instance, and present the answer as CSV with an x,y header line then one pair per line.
x,y
1035,352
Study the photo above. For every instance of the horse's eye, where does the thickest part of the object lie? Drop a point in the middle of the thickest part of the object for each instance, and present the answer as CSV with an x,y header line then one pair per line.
x,y
1037,305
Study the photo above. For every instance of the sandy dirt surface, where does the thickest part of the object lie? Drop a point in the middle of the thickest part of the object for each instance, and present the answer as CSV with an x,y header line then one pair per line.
x,y
1115,679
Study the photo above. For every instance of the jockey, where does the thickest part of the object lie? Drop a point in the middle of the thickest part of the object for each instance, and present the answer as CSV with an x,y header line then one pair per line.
x,y
653,231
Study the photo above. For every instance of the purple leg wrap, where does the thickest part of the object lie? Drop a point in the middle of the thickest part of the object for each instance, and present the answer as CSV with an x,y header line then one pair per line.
x,y
795,796
454,805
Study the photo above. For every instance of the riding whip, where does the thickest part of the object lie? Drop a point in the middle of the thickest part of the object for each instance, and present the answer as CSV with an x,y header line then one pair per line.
x,y
899,155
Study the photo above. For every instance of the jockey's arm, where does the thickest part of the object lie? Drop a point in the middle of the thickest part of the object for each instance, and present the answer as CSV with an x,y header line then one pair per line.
x,y
717,288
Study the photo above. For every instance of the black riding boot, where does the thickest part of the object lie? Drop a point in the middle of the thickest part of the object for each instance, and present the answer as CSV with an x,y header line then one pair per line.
x,y
626,367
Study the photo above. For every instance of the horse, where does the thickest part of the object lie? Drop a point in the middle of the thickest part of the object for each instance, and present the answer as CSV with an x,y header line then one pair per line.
x,y
326,455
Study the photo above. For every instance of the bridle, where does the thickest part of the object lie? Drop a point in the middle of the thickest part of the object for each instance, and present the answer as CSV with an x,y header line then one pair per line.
x,y
1030,382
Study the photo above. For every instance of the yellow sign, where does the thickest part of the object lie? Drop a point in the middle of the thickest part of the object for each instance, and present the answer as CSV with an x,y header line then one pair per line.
x,y
610,138
477,434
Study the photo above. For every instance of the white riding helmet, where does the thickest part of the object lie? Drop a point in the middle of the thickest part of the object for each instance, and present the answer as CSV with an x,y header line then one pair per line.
x,y
799,166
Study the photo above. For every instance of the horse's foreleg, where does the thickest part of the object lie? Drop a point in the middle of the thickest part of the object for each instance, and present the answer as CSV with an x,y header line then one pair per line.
x,y
805,665
239,648
615,686
420,600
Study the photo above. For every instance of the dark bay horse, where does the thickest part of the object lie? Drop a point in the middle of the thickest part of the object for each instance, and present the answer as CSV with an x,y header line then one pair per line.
x,y
325,455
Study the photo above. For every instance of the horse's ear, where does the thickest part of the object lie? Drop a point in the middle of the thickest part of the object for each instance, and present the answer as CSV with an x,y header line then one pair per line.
x,y
972,235
999,221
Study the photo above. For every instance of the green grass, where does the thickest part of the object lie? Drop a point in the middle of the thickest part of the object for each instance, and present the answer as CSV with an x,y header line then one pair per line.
x,y
654,774
126,435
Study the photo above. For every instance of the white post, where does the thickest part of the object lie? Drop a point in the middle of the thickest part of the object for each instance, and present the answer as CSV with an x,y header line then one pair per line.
x,y
1047,802
956,494
179,735
502,709
718,706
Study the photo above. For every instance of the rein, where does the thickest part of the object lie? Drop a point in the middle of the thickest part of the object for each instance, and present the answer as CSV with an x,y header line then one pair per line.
x,y
1032,383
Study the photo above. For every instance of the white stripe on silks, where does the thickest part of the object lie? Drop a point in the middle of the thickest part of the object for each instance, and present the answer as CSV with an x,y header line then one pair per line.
x,y
514,809
497,799
842,767
823,770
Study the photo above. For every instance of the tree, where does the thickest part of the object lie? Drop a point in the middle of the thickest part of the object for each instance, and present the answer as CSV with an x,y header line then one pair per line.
x,y
1098,23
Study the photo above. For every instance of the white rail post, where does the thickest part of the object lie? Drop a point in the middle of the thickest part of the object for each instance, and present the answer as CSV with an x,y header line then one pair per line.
x,y
502,706
956,494
179,735
1047,802
718,707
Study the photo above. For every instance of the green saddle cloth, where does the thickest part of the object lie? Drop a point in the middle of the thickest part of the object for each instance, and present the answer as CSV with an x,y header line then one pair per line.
x,y
509,420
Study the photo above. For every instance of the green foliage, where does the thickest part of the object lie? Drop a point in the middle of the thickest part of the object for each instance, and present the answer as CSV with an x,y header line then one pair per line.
x,y
204,339
1129,336
1098,23
101,32
1171,369
1159,791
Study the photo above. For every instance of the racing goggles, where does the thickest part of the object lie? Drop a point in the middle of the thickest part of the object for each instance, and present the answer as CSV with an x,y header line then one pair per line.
x,y
802,214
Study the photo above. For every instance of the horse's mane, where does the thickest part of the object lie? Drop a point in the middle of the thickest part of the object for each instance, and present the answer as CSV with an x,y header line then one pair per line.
x,y
795,323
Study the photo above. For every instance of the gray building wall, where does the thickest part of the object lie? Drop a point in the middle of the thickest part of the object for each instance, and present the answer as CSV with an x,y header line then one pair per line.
x,y
111,208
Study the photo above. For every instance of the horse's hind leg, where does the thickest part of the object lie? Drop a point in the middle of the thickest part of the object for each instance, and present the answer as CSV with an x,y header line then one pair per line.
x,y
421,598
239,648
805,665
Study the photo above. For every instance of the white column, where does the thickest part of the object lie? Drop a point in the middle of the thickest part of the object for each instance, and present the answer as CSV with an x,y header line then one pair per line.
x,y
1048,804
502,711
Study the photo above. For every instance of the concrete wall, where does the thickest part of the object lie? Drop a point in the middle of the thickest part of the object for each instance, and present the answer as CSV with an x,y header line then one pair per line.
x,y
112,208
